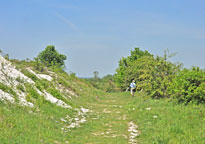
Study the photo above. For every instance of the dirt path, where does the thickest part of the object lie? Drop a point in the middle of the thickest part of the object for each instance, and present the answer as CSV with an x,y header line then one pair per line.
x,y
108,123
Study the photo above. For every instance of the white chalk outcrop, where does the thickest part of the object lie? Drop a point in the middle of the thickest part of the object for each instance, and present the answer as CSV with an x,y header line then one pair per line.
x,y
12,77
8,74
40,76
6,96
56,101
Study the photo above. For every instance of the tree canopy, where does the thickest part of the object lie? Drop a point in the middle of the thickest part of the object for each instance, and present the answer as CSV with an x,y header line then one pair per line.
x,y
51,57
121,78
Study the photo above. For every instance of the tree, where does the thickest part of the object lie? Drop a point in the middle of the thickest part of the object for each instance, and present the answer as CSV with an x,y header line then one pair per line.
x,y
96,73
6,56
120,76
51,57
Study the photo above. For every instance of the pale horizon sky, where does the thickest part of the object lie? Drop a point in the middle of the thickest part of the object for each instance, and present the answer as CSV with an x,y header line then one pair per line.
x,y
95,35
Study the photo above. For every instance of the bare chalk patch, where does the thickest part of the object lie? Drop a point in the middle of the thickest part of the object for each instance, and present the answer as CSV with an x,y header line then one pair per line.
x,y
6,96
40,76
106,111
76,121
8,74
133,133
23,101
56,101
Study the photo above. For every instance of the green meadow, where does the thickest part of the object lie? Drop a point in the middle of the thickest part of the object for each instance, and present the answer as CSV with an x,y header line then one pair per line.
x,y
158,121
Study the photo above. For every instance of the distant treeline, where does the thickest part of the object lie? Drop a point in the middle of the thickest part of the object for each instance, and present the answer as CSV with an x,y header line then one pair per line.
x,y
105,83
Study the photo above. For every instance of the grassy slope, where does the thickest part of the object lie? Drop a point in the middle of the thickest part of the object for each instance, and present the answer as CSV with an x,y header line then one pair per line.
x,y
108,123
164,123
168,123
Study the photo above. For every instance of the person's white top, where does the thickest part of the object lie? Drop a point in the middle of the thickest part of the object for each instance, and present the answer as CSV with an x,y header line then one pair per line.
x,y
132,85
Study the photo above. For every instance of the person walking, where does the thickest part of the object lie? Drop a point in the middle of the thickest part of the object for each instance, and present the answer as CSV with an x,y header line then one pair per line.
x,y
132,87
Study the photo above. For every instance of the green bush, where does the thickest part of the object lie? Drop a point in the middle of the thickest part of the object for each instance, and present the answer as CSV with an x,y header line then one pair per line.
x,y
39,66
189,86
152,75
121,78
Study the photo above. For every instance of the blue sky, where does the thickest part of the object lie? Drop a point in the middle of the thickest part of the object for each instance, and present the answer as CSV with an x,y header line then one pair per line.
x,y
95,34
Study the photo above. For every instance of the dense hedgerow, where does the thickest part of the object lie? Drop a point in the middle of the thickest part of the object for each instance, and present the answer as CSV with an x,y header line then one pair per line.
x,y
153,75
160,78
121,77
189,86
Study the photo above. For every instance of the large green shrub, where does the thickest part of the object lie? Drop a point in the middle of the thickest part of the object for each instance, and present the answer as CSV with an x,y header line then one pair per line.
x,y
152,75
120,76
189,86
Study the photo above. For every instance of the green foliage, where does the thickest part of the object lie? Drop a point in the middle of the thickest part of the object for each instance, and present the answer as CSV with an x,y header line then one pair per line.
x,y
105,84
6,56
96,73
162,74
121,77
39,66
108,84
142,72
51,57
189,86
152,75
72,75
